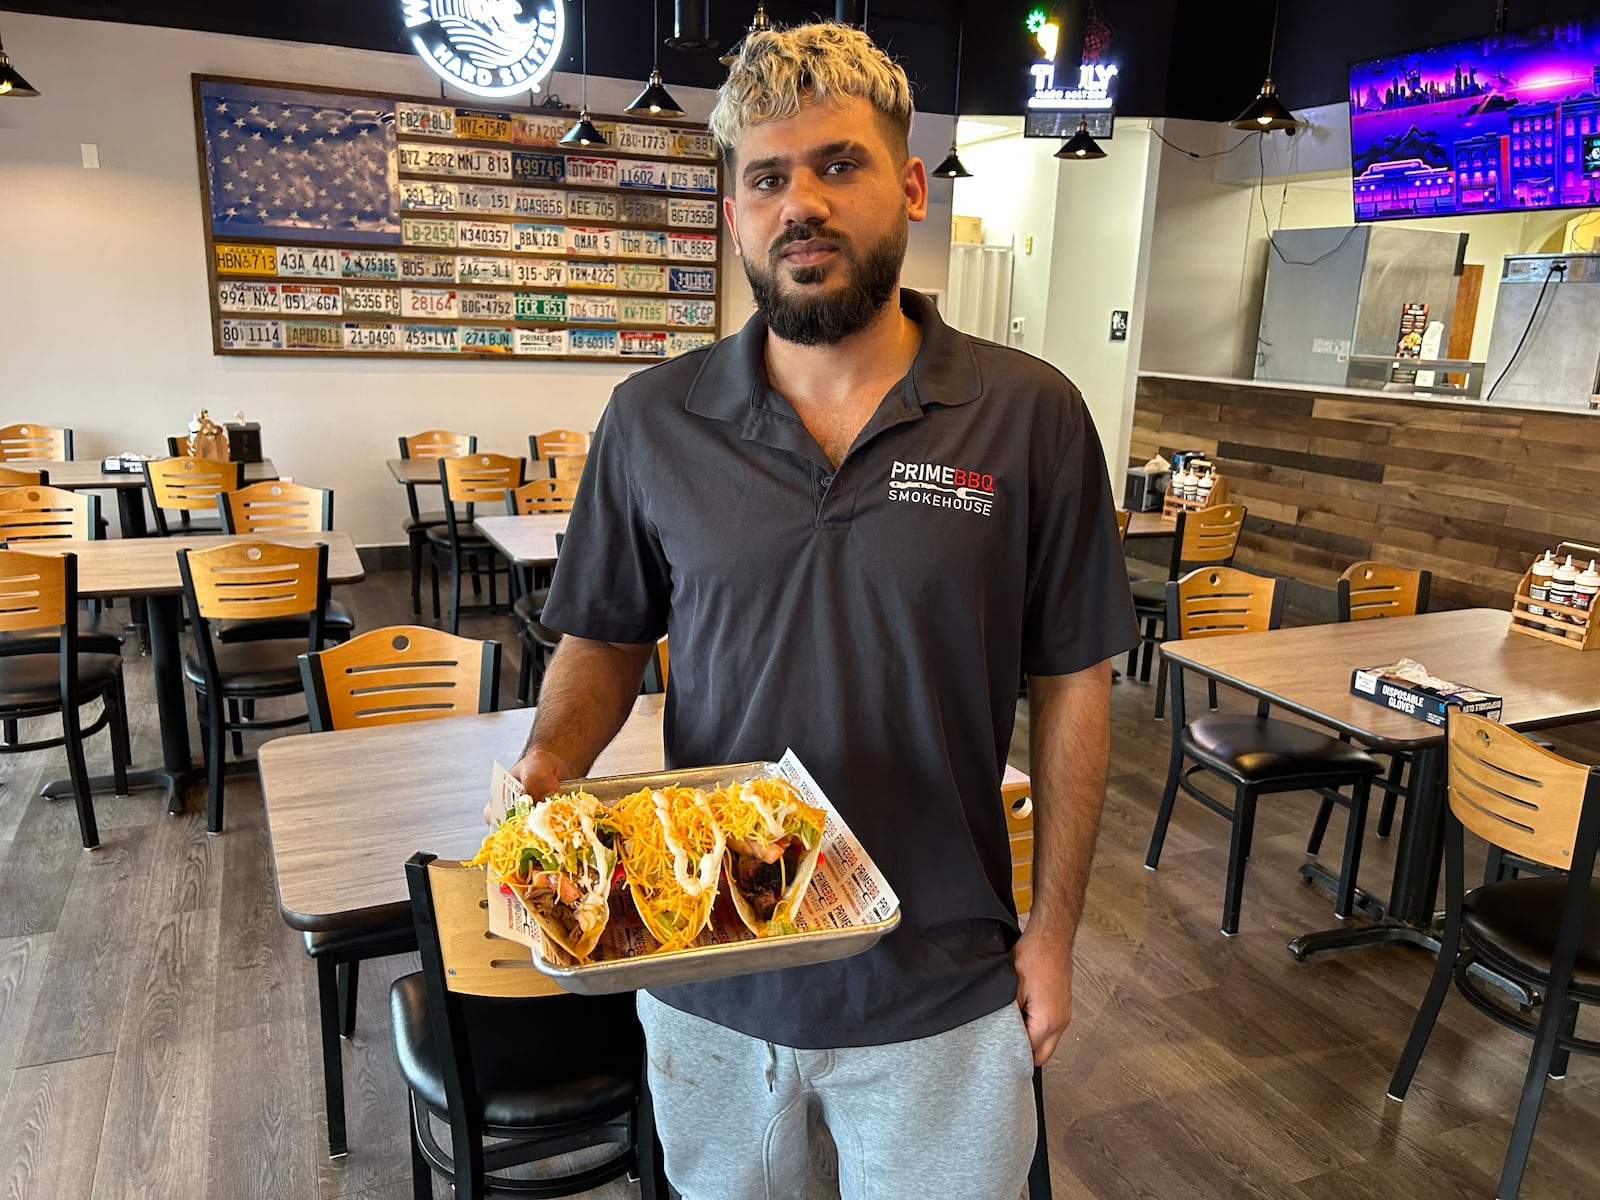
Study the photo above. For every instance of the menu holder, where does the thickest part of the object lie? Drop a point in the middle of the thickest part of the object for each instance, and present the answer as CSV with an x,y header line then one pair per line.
x,y
1564,624
1172,505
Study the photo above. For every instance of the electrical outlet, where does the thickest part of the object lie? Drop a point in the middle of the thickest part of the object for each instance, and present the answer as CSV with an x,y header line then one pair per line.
x,y
91,155
1018,326
1027,244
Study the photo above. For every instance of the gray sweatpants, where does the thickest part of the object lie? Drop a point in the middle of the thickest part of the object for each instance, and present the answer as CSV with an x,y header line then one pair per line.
x,y
949,1116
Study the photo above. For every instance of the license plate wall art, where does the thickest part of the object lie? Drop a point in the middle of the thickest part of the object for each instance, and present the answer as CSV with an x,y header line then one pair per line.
x,y
345,222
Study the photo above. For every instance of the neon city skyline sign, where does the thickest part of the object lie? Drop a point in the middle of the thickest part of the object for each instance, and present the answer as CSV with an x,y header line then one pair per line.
x,y
486,47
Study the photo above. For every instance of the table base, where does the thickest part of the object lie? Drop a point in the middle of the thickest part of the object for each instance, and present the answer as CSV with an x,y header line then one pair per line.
x,y
173,783
1307,944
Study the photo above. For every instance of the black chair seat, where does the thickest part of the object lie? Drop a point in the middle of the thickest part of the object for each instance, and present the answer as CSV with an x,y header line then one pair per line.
x,y
439,535
422,521
530,607
1150,593
1515,922
98,633
392,932
338,624
544,1061
1258,749
253,668
29,681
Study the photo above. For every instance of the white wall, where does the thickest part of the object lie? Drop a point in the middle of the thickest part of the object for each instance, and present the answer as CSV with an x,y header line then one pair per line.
x,y
1087,222
105,318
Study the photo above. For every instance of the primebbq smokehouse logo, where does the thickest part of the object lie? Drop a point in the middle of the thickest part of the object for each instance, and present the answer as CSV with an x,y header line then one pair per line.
x,y
936,485
487,47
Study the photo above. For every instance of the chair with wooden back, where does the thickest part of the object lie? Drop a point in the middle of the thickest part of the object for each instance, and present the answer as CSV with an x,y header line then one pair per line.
x,y
557,441
1539,932
401,673
52,673
23,476
469,480
1370,591
248,581
187,486
279,506
1203,537
542,496
1257,755
31,515
475,996
1123,517
429,444
568,466
655,669
27,442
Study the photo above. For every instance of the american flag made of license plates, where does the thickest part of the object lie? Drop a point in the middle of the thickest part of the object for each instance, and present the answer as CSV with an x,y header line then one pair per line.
x,y
312,166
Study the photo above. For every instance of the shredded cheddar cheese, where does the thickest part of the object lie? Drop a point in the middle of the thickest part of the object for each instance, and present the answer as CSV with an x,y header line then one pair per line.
x,y
672,851
761,811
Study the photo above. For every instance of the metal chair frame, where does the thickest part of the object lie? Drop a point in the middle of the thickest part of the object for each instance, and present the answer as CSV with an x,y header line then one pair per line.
x,y
429,444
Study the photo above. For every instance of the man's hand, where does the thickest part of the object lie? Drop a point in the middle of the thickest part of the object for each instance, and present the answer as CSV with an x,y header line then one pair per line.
x,y
540,772
1044,989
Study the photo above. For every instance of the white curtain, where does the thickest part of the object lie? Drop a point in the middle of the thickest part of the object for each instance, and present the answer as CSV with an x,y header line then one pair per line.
x,y
979,297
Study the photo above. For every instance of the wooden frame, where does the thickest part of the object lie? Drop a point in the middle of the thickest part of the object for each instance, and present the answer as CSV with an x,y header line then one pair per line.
x,y
276,506
250,260
397,674
437,443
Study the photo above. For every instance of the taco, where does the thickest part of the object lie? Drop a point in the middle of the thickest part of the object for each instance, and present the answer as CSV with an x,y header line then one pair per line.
x,y
774,839
672,853
558,857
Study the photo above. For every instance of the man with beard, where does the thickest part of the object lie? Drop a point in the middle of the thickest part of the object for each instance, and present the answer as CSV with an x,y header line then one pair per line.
x,y
860,526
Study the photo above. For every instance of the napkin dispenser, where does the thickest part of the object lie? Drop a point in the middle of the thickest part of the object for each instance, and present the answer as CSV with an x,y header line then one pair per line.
x,y
244,441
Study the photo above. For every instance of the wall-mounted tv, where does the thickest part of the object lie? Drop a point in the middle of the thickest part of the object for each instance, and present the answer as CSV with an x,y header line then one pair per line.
x,y
1496,124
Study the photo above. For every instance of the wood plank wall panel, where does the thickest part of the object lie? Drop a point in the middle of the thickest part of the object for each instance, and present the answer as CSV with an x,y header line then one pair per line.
x,y
1472,494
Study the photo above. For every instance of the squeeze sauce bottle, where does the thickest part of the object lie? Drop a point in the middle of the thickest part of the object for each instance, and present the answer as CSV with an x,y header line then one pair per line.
x,y
1562,585
1539,583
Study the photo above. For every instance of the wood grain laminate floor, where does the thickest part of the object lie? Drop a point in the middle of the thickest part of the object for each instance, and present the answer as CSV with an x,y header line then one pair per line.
x,y
158,1035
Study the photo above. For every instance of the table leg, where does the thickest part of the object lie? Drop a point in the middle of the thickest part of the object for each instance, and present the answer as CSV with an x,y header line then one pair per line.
x,y
177,770
1411,918
130,512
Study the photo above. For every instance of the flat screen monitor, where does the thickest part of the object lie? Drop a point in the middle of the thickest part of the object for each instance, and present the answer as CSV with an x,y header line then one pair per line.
x,y
1496,124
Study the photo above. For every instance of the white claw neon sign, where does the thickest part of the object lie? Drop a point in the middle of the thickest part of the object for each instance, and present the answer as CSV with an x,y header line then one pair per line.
x,y
486,47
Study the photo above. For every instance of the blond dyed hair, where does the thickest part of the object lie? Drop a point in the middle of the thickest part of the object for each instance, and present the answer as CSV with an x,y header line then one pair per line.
x,y
780,70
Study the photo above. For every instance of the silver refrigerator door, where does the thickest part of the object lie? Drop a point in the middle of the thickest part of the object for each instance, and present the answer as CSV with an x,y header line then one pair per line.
x,y
1308,313
1559,359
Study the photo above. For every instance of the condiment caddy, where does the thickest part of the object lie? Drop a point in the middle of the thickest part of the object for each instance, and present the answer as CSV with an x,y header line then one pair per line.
x,y
1195,485
1558,599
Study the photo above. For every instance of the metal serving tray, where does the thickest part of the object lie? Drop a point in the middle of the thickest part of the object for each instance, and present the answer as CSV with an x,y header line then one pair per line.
x,y
848,907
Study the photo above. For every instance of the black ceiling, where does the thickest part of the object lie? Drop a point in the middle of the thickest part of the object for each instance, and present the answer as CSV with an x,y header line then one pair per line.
x,y
1201,59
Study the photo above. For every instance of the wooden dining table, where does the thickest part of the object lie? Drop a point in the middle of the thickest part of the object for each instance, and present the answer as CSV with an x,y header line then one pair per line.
x,y
346,809
1150,525
1307,670
526,541
147,569
85,475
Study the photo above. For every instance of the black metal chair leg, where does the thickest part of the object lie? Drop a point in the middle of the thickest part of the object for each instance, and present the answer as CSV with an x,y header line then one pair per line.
x,y
1319,827
236,734
121,750
1244,815
332,1054
433,574
415,547
1355,831
1158,835
1569,1027
421,1172
349,976
1551,1022
1427,1014
524,674
82,797
1161,690
1148,653
1211,693
216,764
8,731
455,593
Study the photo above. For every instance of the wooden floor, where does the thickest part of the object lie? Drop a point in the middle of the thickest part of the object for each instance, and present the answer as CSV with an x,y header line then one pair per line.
x,y
158,1034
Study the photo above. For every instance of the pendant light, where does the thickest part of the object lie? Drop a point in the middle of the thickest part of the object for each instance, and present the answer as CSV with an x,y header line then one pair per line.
x,y
584,133
952,167
1080,147
655,99
1266,111
758,23
12,83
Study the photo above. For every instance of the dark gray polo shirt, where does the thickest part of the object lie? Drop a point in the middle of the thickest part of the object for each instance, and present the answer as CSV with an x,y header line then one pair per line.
x,y
876,618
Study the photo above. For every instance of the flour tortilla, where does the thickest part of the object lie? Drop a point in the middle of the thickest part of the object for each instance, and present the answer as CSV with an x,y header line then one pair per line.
x,y
784,912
